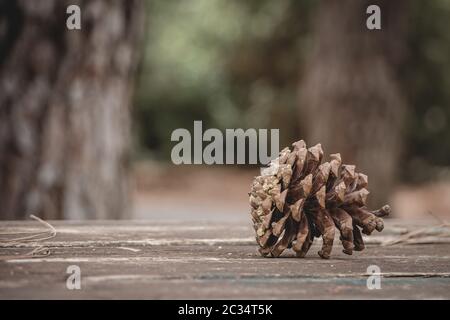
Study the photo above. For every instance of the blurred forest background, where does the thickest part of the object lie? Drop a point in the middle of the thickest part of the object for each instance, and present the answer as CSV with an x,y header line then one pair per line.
x,y
311,68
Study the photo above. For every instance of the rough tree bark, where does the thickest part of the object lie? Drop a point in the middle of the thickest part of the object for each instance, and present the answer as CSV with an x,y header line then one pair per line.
x,y
64,108
349,93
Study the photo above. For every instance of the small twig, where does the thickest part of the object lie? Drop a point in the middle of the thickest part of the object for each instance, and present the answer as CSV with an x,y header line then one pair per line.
x,y
40,251
441,221
421,233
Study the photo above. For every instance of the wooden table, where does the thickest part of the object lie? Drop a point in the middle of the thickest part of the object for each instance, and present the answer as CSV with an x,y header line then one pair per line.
x,y
176,260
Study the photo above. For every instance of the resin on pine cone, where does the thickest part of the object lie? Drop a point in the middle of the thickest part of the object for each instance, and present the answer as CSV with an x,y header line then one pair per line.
x,y
298,198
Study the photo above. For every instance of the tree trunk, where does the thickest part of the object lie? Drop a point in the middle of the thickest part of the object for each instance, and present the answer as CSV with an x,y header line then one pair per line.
x,y
64,108
349,93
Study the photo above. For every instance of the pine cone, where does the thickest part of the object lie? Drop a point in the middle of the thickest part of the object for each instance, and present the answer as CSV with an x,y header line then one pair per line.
x,y
297,198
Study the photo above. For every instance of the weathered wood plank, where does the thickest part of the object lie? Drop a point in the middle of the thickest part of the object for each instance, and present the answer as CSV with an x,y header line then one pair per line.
x,y
135,259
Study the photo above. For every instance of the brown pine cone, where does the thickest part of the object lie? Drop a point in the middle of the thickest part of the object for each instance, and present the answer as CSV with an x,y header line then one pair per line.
x,y
297,198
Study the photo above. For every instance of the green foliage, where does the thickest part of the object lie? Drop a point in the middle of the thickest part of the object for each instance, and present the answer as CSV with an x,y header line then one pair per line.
x,y
227,63
234,63
426,79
